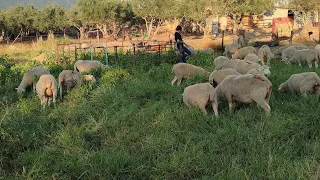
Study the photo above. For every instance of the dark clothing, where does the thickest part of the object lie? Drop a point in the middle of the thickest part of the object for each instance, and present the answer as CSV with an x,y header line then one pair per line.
x,y
177,36
185,51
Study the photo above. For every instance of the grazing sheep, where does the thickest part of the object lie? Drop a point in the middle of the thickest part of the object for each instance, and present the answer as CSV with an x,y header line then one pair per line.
x,y
288,53
243,67
223,62
317,48
87,65
88,78
265,54
47,89
247,89
230,49
199,95
301,83
307,55
209,51
68,78
182,70
216,77
301,46
278,52
29,78
241,41
241,53
252,57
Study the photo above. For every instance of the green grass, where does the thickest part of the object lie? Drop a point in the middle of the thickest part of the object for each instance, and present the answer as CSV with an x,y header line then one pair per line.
x,y
134,125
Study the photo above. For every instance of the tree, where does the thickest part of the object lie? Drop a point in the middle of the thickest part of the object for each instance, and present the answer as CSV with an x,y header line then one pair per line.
x,y
75,19
99,14
51,18
155,12
13,19
201,12
30,15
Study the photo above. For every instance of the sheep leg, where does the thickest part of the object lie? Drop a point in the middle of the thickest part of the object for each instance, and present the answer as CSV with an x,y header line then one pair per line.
x,y
263,104
179,81
61,91
34,86
54,96
215,108
174,80
310,64
316,63
203,108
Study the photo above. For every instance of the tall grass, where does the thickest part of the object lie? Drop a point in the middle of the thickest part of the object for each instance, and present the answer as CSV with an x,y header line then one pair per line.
x,y
134,125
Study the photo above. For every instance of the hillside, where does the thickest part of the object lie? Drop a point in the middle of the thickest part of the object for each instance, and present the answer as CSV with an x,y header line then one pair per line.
x,y
36,3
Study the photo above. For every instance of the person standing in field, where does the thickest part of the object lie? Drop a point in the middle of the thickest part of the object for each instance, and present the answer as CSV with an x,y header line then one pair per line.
x,y
180,44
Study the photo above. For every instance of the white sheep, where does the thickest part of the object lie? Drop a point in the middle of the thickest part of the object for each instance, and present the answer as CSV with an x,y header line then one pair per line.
x,y
87,65
29,78
216,77
241,53
247,89
230,49
317,48
243,67
69,79
47,89
182,70
241,41
301,46
305,55
209,51
301,83
90,78
252,57
288,53
265,54
223,62
278,52
200,95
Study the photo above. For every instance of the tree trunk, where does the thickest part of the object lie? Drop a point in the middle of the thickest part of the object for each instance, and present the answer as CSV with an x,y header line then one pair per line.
x,y
82,32
64,32
205,30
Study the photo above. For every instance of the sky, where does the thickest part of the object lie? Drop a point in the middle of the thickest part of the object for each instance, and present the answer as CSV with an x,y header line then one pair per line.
x,y
4,4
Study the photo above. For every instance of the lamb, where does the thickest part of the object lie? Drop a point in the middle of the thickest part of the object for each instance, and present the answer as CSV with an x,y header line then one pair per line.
x,y
241,41
71,78
317,48
87,65
216,77
252,57
209,51
308,55
288,53
247,89
265,54
29,78
243,67
230,49
223,62
68,78
47,89
301,83
241,53
182,70
88,78
278,52
199,95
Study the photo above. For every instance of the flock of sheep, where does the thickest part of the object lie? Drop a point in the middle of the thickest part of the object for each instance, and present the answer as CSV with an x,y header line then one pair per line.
x,y
243,77
242,67
47,86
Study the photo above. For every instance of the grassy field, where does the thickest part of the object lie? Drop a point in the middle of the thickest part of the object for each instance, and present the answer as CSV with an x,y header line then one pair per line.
x,y
134,125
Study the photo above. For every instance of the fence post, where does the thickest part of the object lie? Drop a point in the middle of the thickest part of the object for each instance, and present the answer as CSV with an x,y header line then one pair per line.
x,y
94,53
69,54
106,53
91,53
134,55
222,43
115,54
58,54
75,53
159,50
291,36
